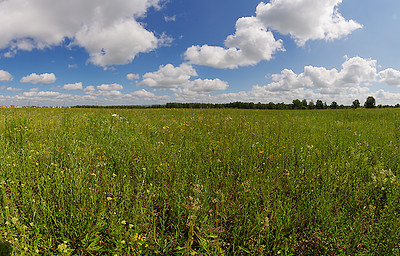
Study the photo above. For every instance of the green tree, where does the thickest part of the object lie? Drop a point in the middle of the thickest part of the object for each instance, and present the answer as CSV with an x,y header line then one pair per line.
x,y
334,105
319,104
370,102
311,105
297,104
304,103
356,104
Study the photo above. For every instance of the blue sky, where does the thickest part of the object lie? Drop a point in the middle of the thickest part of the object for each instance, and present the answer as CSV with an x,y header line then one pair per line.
x,y
156,51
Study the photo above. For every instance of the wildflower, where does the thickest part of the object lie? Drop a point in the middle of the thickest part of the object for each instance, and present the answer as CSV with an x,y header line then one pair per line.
x,y
130,225
109,198
123,222
14,220
267,221
63,247
123,242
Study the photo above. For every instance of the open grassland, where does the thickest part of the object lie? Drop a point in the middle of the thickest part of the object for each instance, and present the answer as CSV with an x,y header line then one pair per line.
x,y
199,182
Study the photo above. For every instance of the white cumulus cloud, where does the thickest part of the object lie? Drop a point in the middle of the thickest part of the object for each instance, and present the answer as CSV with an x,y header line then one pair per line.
x,y
354,72
206,85
168,76
116,44
306,19
344,85
43,79
253,40
251,44
108,30
199,89
110,87
177,79
5,76
132,76
12,89
105,90
390,76
72,87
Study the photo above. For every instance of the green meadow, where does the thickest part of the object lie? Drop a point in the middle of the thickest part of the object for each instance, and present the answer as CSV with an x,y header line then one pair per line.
x,y
199,182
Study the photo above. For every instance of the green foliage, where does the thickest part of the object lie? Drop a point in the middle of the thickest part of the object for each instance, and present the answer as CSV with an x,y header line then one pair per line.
x,y
370,102
319,104
199,182
356,104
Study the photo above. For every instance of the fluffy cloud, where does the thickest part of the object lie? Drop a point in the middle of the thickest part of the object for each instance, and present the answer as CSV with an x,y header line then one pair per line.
x,y
354,72
5,76
51,98
132,76
108,30
251,44
47,94
12,89
72,87
117,44
168,76
89,89
344,85
253,41
42,79
206,85
110,87
91,96
105,90
390,76
178,79
199,89
306,19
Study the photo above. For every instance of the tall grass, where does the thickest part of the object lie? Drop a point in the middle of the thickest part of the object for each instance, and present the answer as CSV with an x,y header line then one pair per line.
x,y
199,182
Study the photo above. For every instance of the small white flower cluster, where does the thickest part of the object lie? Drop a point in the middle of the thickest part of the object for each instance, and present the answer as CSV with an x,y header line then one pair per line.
x,y
120,117
383,177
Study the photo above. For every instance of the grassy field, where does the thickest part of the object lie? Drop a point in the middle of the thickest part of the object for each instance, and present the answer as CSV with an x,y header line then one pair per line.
x,y
199,182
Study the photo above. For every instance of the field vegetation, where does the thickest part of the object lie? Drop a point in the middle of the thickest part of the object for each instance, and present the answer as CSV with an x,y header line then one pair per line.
x,y
199,182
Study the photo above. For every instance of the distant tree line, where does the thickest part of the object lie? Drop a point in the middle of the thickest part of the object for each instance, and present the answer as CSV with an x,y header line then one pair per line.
x,y
296,104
